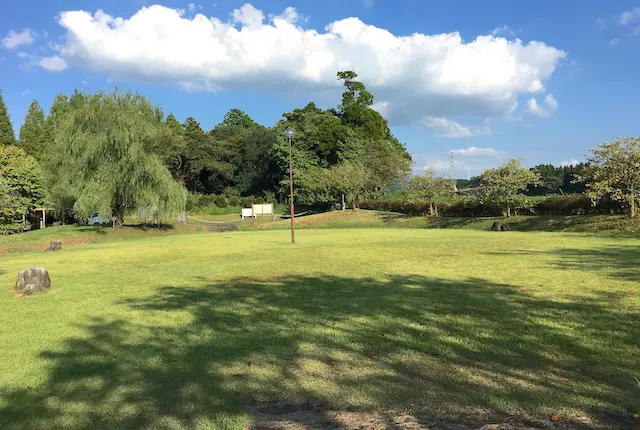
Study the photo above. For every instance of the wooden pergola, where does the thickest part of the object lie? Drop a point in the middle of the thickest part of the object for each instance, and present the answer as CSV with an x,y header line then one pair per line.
x,y
43,222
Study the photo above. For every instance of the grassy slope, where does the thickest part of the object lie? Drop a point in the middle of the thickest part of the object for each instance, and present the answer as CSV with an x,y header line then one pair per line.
x,y
371,219
74,235
157,332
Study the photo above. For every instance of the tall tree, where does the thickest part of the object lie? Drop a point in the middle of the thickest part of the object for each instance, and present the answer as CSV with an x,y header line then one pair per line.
x,y
33,132
174,155
7,137
205,158
59,107
238,118
21,187
11,208
614,171
110,147
502,185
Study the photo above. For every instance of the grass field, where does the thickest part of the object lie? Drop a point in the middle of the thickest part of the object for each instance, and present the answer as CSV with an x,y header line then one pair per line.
x,y
349,326
620,226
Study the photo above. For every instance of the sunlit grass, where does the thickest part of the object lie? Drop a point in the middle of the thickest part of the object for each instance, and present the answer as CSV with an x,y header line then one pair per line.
x,y
157,332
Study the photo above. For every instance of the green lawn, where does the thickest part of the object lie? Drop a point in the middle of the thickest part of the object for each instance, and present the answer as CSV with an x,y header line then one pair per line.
x,y
456,326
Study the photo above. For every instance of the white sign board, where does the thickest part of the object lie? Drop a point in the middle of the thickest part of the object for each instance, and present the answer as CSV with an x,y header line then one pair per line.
x,y
246,213
263,209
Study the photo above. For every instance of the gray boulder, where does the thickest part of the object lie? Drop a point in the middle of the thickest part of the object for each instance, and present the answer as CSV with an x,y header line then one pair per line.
x,y
55,245
34,280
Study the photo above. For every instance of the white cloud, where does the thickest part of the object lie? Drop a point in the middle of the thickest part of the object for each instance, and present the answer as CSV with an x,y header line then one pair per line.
x,y
568,163
505,29
629,16
191,7
14,39
636,31
547,109
54,63
414,76
368,3
453,129
614,42
449,128
473,151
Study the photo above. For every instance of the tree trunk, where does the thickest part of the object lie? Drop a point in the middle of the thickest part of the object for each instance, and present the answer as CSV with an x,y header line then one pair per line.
x,y
633,204
430,209
508,211
435,206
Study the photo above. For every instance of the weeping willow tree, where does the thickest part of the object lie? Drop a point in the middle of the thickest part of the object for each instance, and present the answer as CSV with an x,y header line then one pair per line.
x,y
107,158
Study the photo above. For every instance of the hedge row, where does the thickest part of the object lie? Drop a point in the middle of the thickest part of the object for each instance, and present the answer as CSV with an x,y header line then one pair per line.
x,y
474,207
196,202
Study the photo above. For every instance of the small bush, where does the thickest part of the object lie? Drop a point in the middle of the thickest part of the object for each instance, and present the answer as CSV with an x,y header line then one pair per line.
x,y
221,202
258,200
245,202
234,201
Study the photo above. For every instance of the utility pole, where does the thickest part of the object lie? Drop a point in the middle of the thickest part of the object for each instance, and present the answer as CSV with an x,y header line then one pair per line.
x,y
289,133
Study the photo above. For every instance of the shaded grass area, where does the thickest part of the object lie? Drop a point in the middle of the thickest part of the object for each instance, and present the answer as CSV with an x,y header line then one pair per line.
x,y
454,326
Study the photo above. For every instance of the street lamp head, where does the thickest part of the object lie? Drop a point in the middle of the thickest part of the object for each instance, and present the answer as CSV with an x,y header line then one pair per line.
x,y
288,132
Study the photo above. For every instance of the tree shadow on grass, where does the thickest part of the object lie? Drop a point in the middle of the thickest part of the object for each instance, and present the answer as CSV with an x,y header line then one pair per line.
x,y
309,350
618,261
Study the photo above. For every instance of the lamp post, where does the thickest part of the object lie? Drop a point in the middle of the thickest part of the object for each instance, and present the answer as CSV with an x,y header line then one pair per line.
x,y
289,133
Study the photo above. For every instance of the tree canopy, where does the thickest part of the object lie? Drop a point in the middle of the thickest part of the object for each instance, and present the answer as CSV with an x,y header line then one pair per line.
x,y
614,171
7,136
502,184
431,189
33,131
110,146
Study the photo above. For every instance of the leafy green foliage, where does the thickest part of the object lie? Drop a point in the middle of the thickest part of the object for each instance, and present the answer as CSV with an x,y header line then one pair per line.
x,y
21,187
109,146
557,180
430,189
33,131
21,173
502,185
11,207
7,137
614,171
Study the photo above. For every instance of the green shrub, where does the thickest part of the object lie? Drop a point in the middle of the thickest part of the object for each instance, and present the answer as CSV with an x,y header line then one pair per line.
x,y
234,201
473,206
221,201
258,200
245,202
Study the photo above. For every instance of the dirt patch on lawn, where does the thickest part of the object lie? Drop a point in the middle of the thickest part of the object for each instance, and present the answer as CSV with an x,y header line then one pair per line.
x,y
272,415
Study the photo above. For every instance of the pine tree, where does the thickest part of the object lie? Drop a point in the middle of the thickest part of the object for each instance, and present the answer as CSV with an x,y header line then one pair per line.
x,y
32,132
59,107
7,137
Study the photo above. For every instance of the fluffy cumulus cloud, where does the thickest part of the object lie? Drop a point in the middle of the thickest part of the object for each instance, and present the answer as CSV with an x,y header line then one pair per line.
x,y
53,63
418,78
15,39
453,129
568,163
544,110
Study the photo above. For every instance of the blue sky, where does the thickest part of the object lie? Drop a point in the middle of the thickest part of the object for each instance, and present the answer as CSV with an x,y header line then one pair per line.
x,y
542,80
